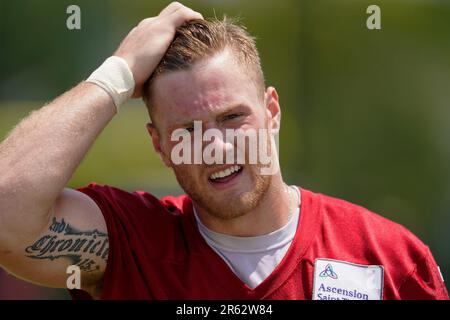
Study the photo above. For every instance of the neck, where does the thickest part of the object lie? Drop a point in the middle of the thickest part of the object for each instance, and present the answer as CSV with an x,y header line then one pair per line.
x,y
272,213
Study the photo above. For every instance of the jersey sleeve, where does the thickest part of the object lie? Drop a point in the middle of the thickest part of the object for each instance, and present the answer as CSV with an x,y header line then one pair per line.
x,y
425,281
141,231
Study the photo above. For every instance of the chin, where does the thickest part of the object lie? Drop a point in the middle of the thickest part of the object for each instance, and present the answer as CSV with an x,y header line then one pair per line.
x,y
229,209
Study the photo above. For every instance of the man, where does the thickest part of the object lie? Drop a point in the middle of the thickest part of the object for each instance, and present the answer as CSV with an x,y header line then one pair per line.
x,y
238,233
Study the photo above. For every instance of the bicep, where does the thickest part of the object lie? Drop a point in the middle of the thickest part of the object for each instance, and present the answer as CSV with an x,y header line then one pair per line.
x,y
75,235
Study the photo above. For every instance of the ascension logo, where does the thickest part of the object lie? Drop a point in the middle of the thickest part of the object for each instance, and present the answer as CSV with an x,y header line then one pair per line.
x,y
328,272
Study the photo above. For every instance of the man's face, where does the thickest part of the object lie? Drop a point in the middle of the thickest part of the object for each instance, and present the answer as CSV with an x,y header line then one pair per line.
x,y
222,95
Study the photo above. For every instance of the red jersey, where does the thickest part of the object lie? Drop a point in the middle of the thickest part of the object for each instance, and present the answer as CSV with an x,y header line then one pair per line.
x,y
157,252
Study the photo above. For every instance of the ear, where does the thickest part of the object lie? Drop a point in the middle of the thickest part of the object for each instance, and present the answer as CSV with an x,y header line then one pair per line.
x,y
273,109
156,140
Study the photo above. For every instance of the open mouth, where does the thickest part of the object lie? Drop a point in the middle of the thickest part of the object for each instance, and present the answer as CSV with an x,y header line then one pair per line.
x,y
226,175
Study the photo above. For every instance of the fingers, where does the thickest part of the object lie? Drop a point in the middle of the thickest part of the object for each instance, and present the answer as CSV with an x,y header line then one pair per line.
x,y
182,15
179,13
145,44
171,8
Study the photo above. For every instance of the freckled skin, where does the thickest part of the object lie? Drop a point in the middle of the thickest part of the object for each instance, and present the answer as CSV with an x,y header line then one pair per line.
x,y
204,92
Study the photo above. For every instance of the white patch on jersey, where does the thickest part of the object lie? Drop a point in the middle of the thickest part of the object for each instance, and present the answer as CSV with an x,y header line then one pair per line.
x,y
341,280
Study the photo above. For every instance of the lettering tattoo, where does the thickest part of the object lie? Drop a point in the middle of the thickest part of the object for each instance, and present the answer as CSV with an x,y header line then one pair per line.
x,y
83,248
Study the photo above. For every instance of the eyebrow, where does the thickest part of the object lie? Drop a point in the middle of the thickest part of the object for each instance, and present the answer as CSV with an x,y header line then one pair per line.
x,y
221,114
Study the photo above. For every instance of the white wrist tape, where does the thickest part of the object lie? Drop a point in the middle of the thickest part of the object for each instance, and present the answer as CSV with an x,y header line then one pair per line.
x,y
116,78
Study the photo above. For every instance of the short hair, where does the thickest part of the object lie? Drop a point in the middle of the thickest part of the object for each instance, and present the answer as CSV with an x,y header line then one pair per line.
x,y
197,40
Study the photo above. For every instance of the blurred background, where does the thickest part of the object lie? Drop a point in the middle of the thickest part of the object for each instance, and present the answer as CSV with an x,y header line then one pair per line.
x,y
366,113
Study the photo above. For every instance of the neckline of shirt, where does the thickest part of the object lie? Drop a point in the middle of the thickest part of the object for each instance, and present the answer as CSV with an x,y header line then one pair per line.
x,y
271,241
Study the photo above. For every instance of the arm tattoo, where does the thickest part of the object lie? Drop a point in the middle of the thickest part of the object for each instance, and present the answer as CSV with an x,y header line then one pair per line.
x,y
64,241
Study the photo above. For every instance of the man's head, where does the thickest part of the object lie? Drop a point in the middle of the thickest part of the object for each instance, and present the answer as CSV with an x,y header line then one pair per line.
x,y
199,40
212,73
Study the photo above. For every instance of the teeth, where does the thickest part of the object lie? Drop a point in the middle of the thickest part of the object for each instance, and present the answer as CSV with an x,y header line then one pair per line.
x,y
224,173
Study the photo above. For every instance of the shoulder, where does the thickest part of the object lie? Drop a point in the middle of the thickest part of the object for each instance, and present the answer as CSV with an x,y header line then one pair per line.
x,y
121,199
357,218
139,221
355,234
138,209
359,234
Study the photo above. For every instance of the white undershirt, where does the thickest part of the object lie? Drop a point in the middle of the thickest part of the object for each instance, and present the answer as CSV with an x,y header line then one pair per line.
x,y
252,259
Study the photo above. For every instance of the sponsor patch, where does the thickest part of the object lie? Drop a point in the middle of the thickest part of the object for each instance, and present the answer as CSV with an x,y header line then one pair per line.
x,y
341,280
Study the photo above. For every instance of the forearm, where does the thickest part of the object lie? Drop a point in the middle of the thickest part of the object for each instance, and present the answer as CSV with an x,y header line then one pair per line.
x,y
39,156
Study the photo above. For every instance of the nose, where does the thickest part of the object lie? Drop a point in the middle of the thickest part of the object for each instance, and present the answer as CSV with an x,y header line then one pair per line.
x,y
215,145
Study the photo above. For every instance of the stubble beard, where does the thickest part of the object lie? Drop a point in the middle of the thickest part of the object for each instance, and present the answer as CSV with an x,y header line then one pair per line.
x,y
223,206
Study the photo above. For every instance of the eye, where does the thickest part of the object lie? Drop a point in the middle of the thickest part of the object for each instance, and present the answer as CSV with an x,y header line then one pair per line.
x,y
232,116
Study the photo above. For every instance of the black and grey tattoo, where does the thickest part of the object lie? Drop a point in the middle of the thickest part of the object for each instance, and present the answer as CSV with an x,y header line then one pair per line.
x,y
64,241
